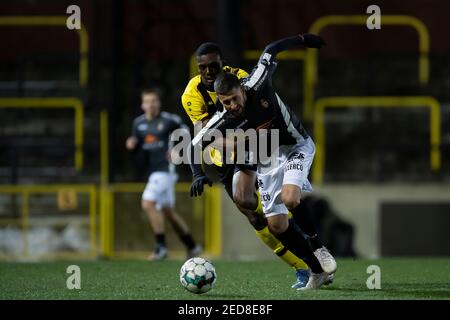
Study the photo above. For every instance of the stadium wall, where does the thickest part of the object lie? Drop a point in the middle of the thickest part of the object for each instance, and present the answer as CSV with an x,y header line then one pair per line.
x,y
362,205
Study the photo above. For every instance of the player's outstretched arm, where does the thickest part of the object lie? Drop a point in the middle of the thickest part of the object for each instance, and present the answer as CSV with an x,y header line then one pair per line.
x,y
266,65
308,40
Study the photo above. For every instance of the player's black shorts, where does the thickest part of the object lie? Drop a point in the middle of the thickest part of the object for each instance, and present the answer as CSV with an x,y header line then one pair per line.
x,y
226,172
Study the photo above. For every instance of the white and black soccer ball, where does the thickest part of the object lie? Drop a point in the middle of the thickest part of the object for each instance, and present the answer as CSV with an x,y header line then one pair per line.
x,y
198,275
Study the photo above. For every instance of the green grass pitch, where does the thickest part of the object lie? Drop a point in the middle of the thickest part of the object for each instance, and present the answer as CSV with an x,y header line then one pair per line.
x,y
400,279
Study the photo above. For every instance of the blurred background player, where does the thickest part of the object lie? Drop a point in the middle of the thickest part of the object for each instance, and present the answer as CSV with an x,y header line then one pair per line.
x,y
151,132
199,102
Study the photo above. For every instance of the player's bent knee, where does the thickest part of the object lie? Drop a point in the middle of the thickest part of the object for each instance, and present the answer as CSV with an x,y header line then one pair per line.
x,y
278,227
291,195
292,204
291,201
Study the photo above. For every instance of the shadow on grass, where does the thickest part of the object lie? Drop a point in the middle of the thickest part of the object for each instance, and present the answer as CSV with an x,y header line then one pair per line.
x,y
400,290
225,296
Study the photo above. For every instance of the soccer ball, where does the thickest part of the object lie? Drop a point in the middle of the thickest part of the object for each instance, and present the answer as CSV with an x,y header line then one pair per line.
x,y
198,275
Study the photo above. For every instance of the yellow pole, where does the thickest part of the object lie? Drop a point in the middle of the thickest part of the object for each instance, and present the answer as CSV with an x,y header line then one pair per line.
x,y
25,220
213,221
93,220
104,148
106,220
375,102
79,134
435,135
83,73
216,221
319,137
207,225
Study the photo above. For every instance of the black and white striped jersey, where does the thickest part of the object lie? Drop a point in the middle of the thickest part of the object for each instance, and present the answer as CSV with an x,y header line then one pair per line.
x,y
264,109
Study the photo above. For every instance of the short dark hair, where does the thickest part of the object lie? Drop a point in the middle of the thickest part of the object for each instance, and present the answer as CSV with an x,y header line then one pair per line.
x,y
225,82
208,47
151,91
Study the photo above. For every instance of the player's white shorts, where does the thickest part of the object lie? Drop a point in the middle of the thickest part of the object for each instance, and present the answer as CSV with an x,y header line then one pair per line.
x,y
160,189
289,165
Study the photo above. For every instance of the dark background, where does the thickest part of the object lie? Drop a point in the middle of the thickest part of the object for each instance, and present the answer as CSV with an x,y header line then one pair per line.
x,y
136,44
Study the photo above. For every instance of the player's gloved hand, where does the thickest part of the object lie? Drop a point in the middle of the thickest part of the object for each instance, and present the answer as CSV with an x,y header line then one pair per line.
x,y
312,41
197,185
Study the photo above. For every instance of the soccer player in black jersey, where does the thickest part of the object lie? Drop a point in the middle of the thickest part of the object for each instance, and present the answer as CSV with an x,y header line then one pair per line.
x,y
199,102
252,103
151,132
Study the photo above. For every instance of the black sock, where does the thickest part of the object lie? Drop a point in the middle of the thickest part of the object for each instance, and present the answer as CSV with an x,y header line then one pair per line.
x,y
315,242
188,241
160,240
293,239
304,220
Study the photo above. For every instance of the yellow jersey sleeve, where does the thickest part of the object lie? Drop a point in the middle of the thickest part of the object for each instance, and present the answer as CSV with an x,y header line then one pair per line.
x,y
194,107
192,101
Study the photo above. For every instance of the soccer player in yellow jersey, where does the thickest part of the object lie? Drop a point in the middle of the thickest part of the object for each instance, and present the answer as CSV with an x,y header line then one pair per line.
x,y
199,102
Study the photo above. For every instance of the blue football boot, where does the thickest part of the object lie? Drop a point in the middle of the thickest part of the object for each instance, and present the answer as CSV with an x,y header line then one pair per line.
x,y
302,278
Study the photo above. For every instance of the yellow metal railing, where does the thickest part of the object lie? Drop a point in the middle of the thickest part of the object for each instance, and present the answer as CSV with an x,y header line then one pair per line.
x,y
104,148
56,103
374,102
57,21
25,191
213,221
212,211
311,64
210,203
